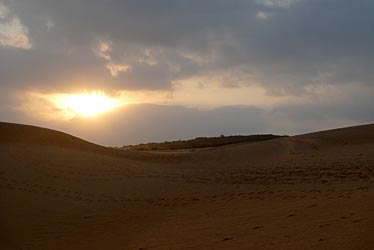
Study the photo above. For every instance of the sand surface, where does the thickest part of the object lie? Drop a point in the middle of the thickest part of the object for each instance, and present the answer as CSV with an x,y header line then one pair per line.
x,y
313,191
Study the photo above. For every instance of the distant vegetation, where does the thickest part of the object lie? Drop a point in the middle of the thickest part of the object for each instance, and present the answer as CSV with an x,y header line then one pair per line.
x,y
201,142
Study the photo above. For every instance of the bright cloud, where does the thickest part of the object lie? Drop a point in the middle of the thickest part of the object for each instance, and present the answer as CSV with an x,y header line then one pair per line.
x,y
277,3
103,50
4,11
116,68
50,24
13,33
263,15
148,58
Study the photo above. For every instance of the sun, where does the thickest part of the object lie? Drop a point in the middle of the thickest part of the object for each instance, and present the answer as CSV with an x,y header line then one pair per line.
x,y
87,104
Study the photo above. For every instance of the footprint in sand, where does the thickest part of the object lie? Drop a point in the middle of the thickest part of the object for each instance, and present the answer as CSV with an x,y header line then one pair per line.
x,y
226,239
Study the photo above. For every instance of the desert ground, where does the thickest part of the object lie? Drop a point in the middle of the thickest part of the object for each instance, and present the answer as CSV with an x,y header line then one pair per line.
x,y
312,191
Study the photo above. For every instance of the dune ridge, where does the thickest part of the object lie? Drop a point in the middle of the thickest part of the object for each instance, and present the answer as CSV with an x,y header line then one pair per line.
x,y
27,134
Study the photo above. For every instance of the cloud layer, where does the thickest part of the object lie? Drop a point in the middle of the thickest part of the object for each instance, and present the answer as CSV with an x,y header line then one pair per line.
x,y
283,44
298,50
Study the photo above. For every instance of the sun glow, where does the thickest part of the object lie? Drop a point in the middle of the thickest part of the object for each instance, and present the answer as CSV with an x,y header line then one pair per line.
x,y
88,104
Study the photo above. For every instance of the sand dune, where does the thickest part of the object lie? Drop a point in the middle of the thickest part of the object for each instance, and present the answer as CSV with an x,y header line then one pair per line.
x,y
313,191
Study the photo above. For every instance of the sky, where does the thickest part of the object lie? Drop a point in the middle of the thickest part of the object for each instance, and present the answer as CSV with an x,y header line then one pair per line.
x,y
119,72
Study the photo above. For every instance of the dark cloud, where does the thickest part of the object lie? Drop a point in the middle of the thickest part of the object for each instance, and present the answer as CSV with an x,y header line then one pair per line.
x,y
145,123
356,108
142,123
297,44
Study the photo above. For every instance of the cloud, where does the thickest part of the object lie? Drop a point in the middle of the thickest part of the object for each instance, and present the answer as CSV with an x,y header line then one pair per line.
x,y
167,41
277,3
13,33
50,24
263,15
115,68
144,123
324,107
4,11
103,51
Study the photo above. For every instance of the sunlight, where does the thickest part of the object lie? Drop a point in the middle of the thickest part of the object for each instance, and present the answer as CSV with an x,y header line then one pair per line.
x,y
87,104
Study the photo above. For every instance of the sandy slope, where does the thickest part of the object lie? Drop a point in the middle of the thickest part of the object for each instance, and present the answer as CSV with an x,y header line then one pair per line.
x,y
313,191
